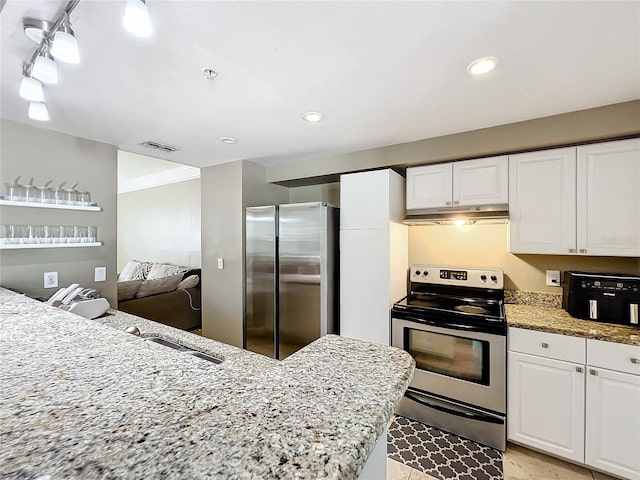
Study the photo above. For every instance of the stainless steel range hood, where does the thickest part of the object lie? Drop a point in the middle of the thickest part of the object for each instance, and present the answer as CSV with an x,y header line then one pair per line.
x,y
476,215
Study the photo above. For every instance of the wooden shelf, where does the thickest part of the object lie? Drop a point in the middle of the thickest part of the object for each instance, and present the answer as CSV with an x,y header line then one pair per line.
x,y
12,203
21,246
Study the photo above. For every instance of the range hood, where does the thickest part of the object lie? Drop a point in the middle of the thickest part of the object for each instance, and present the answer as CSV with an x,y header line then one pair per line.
x,y
475,215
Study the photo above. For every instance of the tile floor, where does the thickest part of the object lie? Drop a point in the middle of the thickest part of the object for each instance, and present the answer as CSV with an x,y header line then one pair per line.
x,y
519,464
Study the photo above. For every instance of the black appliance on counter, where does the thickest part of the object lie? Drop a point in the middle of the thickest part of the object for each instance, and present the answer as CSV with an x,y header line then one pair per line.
x,y
602,297
453,324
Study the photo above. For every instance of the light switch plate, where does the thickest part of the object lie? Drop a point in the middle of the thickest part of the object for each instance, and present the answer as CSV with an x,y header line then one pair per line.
x,y
553,278
100,274
220,264
50,279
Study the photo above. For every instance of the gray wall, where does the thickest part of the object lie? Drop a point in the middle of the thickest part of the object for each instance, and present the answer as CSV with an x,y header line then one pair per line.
x,y
611,121
227,189
160,224
327,192
47,155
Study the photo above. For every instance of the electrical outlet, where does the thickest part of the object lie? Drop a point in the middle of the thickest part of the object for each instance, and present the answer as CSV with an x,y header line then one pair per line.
x,y
553,278
220,264
100,274
50,279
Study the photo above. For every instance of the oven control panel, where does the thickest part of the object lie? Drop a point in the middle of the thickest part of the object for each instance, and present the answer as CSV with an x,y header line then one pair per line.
x,y
467,277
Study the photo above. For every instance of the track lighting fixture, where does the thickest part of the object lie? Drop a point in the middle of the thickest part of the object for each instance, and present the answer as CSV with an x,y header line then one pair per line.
x,y
137,19
57,40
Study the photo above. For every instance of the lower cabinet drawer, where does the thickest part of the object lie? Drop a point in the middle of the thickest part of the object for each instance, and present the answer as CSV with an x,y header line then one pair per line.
x,y
614,356
547,345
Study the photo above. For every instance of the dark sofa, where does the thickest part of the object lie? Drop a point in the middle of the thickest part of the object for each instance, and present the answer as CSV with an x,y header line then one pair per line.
x,y
179,308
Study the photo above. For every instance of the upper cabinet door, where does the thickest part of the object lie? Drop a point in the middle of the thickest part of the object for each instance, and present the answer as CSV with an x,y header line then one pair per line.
x,y
542,202
481,182
364,200
429,186
608,209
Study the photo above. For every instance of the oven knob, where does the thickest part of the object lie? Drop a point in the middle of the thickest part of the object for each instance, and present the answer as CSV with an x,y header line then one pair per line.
x,y
425,273
483,278
494,279
417,272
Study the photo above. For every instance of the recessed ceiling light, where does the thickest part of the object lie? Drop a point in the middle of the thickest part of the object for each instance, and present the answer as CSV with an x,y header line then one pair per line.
x,y
312,116
228,140
209,73
482,65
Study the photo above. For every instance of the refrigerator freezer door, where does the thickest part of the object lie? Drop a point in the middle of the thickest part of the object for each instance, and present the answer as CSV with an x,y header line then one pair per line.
x,y
302,243
261,284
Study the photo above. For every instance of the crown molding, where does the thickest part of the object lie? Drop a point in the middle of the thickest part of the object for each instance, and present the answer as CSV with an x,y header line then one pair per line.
x,y
165,177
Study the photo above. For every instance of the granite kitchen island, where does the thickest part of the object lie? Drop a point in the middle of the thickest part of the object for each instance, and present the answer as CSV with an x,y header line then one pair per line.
x,y
83,399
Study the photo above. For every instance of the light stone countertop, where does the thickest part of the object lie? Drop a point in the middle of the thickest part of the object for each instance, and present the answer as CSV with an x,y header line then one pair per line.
x,y
83,399
557,320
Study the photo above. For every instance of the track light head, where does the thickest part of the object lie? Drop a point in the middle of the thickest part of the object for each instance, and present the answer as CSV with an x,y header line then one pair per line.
x,y
137,19
38,111
31,89
65,45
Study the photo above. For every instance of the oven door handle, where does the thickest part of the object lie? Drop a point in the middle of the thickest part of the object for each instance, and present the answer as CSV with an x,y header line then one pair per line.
x,y
457,413
455,326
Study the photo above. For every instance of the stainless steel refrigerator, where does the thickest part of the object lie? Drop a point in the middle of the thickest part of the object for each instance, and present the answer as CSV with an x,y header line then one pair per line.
x,y
291,289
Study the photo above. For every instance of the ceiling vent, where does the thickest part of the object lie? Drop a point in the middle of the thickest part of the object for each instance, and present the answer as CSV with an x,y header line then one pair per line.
x,y
159,146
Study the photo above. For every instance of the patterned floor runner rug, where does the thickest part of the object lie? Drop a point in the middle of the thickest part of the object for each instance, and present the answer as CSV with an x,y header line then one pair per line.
x,y
440,454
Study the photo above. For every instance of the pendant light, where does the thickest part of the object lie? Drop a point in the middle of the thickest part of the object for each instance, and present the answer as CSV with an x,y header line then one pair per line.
x,y
38,111
44,68
31,89
65,45
137,19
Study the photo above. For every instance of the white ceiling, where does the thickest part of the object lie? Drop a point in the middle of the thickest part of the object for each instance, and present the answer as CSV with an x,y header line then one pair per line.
x,y
132,166
382,72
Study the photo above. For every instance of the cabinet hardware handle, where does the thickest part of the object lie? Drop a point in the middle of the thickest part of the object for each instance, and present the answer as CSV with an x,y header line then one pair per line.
x,y
579,369
583,250
456,202
448,203
593,372
572,250
635,360
545,345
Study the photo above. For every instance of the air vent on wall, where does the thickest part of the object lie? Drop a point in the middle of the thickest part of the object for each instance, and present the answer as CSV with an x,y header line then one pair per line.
x,y
159,146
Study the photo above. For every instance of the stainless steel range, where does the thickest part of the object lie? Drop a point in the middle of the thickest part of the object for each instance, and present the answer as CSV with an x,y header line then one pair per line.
x,y
453,324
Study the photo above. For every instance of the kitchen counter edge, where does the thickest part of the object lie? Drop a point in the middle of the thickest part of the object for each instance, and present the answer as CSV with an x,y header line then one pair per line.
x,y
557,320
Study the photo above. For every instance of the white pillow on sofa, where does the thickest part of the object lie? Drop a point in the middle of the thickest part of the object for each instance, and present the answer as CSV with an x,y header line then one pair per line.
x,y
189,282
135,270
154,286
159,270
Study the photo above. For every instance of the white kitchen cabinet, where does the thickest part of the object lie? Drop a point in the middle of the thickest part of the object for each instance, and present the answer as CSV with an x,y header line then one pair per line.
x,y
574,399
545,406
579,200
373,253
430,186
608,198
613,408
542,199
468,183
